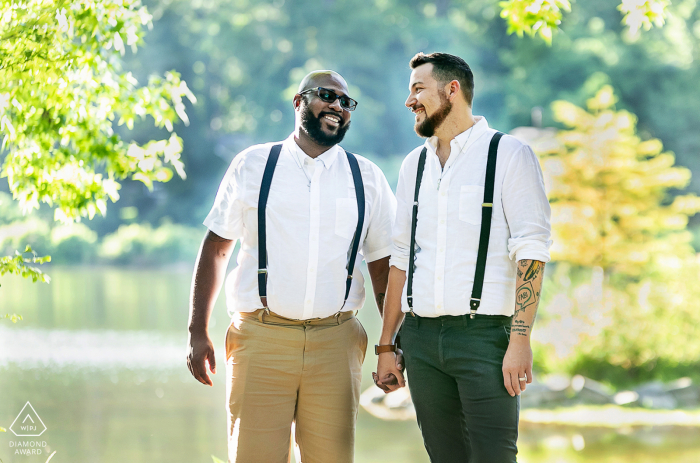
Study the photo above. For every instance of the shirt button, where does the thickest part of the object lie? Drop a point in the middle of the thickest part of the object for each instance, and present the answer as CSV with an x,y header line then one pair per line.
x,y
439,306
442,249
439,278
308,301
442,221
443,193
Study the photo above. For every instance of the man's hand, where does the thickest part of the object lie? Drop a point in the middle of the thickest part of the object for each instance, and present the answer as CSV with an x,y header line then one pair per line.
x,y
389,375
517,365
200,351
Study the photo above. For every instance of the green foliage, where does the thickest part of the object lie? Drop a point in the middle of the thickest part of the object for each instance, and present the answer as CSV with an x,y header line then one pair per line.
x,y
61,89
14,318
622,303
143,245
644,14
216,460
17,265
610,191
534,17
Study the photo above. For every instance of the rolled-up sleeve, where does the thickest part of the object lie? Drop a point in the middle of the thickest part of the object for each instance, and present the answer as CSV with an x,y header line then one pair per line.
x,y
226,215
377,244
402,224
526,208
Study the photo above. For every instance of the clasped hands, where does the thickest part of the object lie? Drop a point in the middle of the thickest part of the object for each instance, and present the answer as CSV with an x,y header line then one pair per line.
x,y
389,375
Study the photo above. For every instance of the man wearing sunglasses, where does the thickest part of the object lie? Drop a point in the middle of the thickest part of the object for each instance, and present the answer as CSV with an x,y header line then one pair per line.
x,y
307,212
471,239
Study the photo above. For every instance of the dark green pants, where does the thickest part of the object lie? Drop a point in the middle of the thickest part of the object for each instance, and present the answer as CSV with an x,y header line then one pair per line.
x,y
454,374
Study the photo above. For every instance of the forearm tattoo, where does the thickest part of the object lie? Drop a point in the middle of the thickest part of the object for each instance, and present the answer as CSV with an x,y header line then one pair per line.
x,y
530,274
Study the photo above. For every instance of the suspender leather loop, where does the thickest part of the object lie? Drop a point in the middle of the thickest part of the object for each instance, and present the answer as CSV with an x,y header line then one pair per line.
x,y
486,216
485,234
262,235
414,223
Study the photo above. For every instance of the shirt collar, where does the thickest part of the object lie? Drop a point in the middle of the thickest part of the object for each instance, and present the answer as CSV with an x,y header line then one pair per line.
x,y
464,139
327,158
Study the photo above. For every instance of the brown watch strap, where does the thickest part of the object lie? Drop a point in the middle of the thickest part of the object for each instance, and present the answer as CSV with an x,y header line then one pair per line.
x,y
385,348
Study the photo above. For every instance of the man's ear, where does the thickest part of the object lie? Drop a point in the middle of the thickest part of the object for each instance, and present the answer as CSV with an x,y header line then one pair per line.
x,y
452,89
296,101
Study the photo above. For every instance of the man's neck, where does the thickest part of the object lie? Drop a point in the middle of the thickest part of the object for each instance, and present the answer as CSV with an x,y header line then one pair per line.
x,y
307,145
448,130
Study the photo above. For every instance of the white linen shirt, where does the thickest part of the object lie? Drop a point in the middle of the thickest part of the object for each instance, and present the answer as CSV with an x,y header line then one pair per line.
x,y
310,225
449,223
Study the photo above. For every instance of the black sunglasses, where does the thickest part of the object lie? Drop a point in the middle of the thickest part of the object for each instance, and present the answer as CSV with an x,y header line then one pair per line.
x,y
329,96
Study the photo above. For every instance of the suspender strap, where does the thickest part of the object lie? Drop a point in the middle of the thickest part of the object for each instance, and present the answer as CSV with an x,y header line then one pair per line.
x,y
360,195
262,203
262,235
414,222
486,214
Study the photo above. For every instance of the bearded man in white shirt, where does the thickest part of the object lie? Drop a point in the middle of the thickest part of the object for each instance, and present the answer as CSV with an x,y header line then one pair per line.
x,y
472,232
294,349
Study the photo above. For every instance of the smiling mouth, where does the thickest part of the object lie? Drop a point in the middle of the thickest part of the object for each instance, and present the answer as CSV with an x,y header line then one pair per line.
x,y
418,111
333,121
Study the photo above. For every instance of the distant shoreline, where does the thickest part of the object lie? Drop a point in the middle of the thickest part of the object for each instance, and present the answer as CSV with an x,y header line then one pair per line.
x,y
610,416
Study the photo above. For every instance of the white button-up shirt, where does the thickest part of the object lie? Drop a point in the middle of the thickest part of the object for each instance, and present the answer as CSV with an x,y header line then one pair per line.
x,y
449,223
311,219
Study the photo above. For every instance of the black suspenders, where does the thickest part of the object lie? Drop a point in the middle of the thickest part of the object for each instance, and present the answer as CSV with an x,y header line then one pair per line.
x,y
485,234
414,223
262,236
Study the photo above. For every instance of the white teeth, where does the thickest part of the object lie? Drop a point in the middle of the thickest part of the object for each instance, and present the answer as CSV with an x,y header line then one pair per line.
x,y
332,120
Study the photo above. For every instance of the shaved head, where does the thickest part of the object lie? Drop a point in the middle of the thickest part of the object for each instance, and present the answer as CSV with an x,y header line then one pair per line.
x,y
322,78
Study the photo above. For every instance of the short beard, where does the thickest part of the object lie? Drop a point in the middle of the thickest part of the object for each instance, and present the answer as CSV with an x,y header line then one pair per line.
x,y
431,123
312,126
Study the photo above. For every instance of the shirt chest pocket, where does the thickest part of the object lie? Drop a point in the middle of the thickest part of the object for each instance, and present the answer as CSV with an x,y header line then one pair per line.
x,y
345,217
470,199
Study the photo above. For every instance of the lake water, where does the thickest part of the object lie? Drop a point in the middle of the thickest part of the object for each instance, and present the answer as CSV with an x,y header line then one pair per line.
x,y
100,355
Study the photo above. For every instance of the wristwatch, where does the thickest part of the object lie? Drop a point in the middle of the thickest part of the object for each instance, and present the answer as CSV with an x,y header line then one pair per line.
x,y
385,348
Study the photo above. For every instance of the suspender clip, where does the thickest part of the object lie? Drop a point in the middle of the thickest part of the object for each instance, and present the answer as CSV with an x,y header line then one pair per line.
x,y
262,270
486,204
474,304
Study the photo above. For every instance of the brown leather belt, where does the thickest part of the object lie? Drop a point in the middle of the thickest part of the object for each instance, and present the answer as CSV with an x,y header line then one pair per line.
x,y
272,318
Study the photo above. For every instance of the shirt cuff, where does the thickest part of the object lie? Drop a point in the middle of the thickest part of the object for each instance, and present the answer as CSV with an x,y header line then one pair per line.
x,y
219,230
399,262
376,255
530,250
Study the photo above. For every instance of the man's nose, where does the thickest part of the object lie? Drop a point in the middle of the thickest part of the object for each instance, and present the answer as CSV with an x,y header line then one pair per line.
x,y
410,101
336,105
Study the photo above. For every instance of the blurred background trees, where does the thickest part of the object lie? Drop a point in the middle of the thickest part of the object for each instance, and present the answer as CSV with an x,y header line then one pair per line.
x,y
617,79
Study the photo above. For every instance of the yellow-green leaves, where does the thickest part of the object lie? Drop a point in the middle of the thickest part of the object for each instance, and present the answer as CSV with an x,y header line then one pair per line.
x,y
614,218
17,265
62,90
609,190
534,17
643,14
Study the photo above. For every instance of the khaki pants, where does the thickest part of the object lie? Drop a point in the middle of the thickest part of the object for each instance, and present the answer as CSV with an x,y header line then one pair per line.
x,y
280,371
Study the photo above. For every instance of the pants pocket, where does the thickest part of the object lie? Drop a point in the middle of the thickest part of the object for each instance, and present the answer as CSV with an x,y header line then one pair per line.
x,y
362,341
506,330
